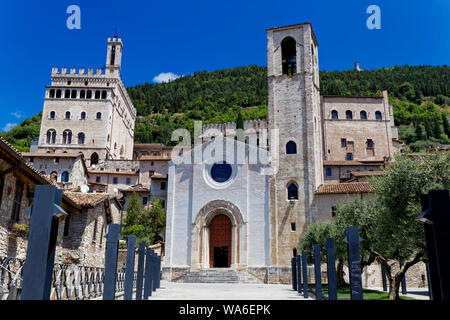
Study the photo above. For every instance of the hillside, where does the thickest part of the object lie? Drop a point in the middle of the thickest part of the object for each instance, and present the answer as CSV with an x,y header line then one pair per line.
x,y
419,94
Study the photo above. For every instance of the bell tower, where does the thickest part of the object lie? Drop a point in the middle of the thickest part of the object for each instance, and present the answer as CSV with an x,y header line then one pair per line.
x,y
114,55
294,117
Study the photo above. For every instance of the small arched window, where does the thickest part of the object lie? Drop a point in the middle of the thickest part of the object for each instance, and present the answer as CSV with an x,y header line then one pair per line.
x,y
67,94
288,56
67,137
54,176
89,94
68,115
378,115
73,94
83,115
52,115
58,93
291,147
292,191
94,158
348,115
97,94
334,114
81,138
51,136
104,94
98,116
65,176
52,93
363,115
82,94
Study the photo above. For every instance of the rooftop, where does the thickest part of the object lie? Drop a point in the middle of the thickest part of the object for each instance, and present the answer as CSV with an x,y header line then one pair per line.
x,y
336,188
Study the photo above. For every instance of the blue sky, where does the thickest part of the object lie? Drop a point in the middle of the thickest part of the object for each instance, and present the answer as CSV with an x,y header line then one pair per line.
x,y
187,36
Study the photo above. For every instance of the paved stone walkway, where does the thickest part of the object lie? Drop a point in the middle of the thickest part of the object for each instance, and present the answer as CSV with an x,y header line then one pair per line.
x,y
224,291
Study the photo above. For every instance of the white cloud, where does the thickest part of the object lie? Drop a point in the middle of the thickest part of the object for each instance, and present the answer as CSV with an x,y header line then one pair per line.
x,y
9,126
16,114
165,77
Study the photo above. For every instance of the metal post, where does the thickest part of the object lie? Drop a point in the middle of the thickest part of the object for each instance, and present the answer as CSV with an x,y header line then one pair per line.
x,y
154,270
331,269
35,268
148,276
140,273
317,272
354,261
158,280
294,274
129,271
383,277
305,275
403,280
299,274
430,291
112,247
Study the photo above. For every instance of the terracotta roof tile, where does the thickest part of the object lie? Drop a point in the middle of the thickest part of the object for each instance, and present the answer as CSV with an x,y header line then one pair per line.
x,y
86,199
354,187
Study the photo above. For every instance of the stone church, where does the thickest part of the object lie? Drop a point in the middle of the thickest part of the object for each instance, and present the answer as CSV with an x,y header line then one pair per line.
x,y
240,197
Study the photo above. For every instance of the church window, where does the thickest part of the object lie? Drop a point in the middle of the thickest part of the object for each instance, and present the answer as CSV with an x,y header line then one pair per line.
x,y
52,93
65,176
378,115
67,137
363,115
348,115
89,94
68,115
163,185
97,94
221,172
104,94
343,143
289,56
73,94
349,156
291,147
99,117
292,191
334,114
67,94
81,138
82,94
58,93
52,115
83,115
328,172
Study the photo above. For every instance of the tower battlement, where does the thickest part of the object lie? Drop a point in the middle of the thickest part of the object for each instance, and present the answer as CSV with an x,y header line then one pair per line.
x,y
63,71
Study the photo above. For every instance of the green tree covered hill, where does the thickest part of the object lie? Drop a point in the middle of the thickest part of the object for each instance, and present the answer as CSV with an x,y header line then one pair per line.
x,y
420,96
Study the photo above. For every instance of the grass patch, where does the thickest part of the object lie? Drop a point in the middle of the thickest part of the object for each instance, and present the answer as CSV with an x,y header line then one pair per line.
x,y
368,294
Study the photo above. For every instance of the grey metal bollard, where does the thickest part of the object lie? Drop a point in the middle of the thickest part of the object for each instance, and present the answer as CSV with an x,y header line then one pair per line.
x,y
129,271
112,247
317,272
140,274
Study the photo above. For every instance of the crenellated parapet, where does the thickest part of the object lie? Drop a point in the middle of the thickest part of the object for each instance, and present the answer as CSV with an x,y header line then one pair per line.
x,y
81,72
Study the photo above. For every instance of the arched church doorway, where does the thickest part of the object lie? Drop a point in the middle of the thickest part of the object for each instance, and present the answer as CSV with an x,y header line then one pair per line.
x,y
220,242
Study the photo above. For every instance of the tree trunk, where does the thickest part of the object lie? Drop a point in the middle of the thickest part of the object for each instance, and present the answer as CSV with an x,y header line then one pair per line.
x,y
394,286
340,274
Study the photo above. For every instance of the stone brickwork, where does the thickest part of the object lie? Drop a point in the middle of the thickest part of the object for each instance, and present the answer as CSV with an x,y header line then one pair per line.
x,y
293,110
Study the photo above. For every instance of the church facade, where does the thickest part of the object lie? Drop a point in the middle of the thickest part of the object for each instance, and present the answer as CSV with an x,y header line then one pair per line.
x,y
249,215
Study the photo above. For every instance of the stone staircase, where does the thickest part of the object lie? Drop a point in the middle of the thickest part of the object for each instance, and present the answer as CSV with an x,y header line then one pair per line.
x,y
217,275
